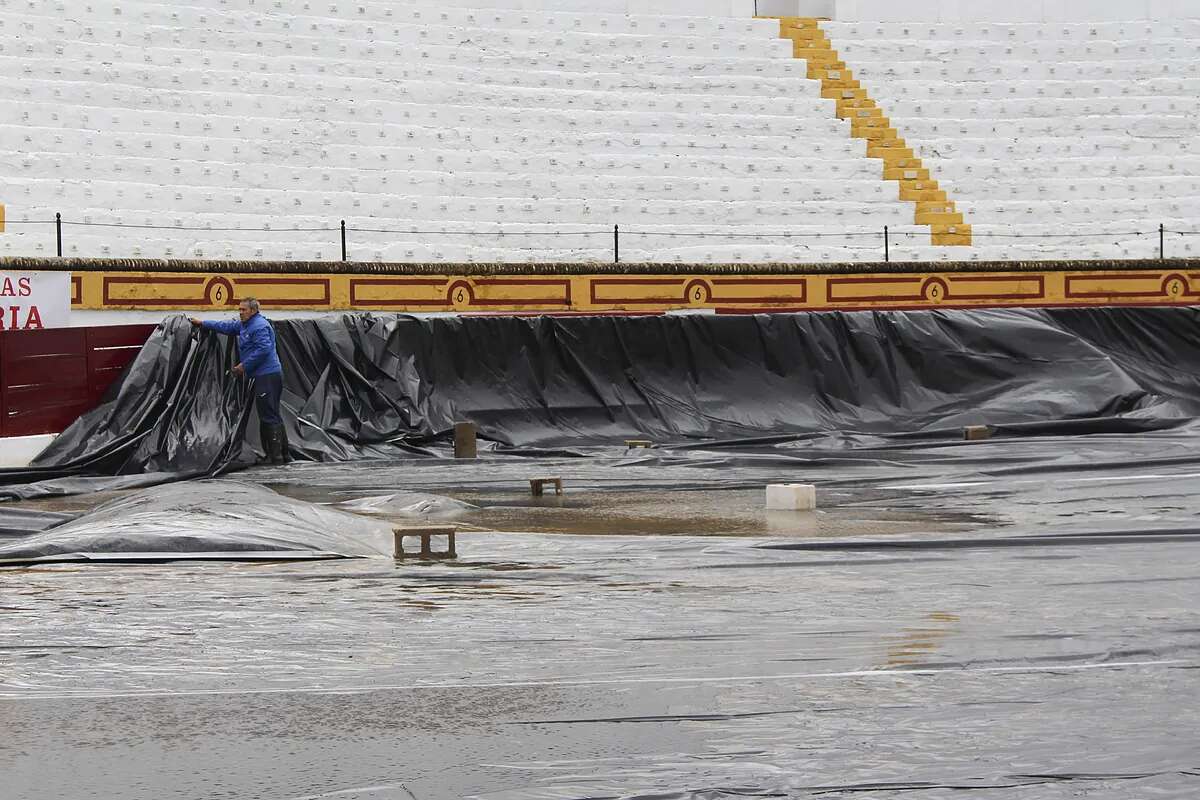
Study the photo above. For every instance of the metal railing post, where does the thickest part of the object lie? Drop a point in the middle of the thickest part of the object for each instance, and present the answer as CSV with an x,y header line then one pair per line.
x,y
887,256
1162,250
616,244
58,231
343,240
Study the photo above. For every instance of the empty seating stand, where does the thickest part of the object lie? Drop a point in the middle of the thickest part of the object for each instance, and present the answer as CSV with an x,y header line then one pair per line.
x,y
489,134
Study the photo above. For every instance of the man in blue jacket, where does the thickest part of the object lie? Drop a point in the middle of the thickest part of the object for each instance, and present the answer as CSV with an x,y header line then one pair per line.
x,y
256,345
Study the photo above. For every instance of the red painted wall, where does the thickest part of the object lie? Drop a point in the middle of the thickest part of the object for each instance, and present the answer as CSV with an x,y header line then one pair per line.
x,y
49,377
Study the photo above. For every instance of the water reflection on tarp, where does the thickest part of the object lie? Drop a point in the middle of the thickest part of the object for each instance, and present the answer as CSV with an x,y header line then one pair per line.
x,y
591,666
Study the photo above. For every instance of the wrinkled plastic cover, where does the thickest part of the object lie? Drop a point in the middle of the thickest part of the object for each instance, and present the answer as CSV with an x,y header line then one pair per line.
x,y
23,521
219,519
409,504
369,386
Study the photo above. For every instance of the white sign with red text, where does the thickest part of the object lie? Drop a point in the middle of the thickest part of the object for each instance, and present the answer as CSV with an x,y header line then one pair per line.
x,y
31,301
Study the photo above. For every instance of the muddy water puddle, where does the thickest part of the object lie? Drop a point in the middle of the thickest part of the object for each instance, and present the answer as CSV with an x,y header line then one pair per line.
x,y
725,512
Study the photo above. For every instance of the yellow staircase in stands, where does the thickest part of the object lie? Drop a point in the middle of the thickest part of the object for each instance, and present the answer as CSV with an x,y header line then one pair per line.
x,y
867,121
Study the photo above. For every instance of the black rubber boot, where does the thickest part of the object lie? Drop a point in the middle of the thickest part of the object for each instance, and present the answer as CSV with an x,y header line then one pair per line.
x,y
265,436
280,455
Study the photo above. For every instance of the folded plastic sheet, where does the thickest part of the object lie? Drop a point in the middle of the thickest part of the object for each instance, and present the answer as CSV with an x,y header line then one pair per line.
x,y
364,385
409,504
16,522
216,519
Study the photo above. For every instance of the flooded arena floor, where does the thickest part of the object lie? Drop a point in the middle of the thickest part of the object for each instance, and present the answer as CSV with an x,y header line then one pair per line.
x,y
1015,618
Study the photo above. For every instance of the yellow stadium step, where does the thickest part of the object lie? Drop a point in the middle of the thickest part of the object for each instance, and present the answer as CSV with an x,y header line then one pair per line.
x,y
815,55
814,40
839,83
931,218
935,207
915,194
890,151
807,34
834,71
847,103
861,127
804,23
802,46
846,107
834,93
951,235
832,75
907,162
812,49
861,112
874,133
905,171
870,121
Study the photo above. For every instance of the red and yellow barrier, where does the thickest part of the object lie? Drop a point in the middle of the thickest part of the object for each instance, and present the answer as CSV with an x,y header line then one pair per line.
x,y
606,292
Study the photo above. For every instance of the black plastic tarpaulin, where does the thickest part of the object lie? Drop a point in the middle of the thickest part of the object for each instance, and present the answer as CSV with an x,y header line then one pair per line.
x,y
363,385
1021,620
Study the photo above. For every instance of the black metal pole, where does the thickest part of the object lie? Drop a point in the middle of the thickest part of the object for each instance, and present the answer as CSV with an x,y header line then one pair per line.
x,y
616,244
343,240
887,256
58,231
1161,248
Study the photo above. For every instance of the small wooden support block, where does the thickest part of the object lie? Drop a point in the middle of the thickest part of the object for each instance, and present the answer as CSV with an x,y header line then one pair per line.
x,y
537,485
426,534
464,440
632,443
976,433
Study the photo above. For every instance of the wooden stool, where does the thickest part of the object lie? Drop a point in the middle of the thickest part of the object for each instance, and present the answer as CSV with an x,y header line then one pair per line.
x,y
537,485
426,532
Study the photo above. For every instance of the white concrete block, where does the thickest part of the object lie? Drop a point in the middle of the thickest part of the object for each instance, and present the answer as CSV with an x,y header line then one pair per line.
x,y
18,451
791,497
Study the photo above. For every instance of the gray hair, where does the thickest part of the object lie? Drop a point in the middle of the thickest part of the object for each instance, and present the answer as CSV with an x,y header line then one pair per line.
x,y
251,304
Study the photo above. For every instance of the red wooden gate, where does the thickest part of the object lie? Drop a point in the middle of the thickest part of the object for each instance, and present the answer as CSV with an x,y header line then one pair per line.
x,y
49,377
